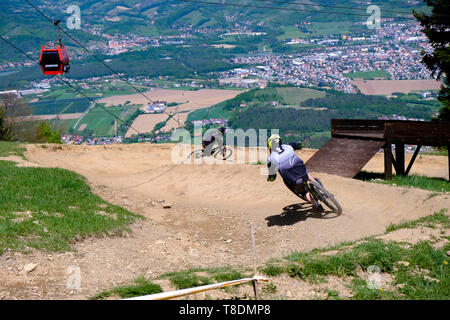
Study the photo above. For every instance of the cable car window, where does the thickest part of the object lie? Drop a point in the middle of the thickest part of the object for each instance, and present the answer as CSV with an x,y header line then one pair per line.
x,y
50,60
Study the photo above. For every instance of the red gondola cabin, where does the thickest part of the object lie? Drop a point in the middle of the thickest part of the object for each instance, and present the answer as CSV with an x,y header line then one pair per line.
x,y
54,60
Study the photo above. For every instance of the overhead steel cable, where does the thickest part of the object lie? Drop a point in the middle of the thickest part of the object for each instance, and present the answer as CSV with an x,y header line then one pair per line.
x,y
102,62
70,85
283,8
5,33
327,6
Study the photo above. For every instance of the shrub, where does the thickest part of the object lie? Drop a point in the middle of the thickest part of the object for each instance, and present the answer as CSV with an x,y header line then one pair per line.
x,y
44,133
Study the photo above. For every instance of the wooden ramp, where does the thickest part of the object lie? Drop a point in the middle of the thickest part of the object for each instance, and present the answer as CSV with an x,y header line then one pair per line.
x,y
344,157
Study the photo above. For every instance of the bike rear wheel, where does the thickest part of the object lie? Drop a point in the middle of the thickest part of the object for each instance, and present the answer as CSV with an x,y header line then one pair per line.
x,y
196,154
327,198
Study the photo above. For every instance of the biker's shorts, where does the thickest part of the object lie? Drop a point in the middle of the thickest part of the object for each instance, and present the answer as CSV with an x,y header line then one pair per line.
x,y
298,186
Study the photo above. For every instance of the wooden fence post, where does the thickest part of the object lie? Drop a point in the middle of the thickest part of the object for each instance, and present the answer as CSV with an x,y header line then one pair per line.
x,y
388,161
400,158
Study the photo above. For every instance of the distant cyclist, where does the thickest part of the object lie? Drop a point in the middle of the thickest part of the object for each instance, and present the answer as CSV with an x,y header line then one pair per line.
x,y
284,160
213,138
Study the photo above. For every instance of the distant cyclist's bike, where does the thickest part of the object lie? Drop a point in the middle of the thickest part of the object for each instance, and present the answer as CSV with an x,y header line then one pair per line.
x,y
320,194
216,152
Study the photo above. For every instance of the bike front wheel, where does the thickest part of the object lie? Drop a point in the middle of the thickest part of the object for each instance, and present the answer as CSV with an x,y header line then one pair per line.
x,y
327,198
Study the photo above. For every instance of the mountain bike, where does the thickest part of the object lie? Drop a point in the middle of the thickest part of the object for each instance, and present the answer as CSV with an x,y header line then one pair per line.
x,y
321,195
216,152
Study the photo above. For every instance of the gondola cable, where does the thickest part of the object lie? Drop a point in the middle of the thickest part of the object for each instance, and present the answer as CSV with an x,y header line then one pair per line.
x,y
70,85
102,62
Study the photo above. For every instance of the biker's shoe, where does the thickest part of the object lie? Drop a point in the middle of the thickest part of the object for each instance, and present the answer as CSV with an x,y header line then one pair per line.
x,y
318,208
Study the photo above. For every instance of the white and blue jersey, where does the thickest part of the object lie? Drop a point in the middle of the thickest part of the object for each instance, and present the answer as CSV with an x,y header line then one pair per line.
x,y
288,164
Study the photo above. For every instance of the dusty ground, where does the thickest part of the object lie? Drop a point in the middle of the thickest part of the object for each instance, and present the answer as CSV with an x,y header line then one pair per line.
x,y
387,87
208,223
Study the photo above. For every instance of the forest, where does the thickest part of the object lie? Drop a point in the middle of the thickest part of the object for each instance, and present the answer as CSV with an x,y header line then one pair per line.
x,y
255,109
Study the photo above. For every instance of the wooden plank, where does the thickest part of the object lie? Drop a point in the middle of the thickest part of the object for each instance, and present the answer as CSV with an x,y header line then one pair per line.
x,y
343,157
357,124
423,133
366,135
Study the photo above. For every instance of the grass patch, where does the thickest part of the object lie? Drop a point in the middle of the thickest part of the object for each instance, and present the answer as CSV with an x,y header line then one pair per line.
x,y
295,96
427,276
200,277
314,265
224,274
102,123
429,221
442,152
272,270
46,208
269,288
187,279
309,265
180,279
368,75
217,111
414,181
139,287
362,292
333,295
8,148
423,274
416,272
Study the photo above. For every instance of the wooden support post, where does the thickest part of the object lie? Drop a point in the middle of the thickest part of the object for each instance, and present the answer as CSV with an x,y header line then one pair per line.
x,y
400,158
388,161
412,160
448,149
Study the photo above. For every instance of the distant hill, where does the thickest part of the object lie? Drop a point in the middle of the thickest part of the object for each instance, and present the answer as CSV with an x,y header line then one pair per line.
x,y
207,24
169,16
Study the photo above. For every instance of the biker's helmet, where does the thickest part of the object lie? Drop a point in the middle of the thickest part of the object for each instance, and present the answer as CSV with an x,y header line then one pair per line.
x,y
273,138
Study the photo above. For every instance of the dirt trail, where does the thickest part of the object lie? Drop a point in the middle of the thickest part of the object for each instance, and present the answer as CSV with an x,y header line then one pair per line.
x,y
208,224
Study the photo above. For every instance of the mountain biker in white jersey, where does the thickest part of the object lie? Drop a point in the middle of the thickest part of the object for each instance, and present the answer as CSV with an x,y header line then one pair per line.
x,y
284,160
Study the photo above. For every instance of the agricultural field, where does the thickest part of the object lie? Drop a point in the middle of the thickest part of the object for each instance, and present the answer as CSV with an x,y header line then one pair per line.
x,y
387,87
369,75
215,112
101,123
187,101
316,29
295,96
146,123
63,106
290,32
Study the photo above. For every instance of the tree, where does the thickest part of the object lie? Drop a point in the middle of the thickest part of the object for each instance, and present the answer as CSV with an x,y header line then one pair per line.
x,y
437,29
13,111
45,133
